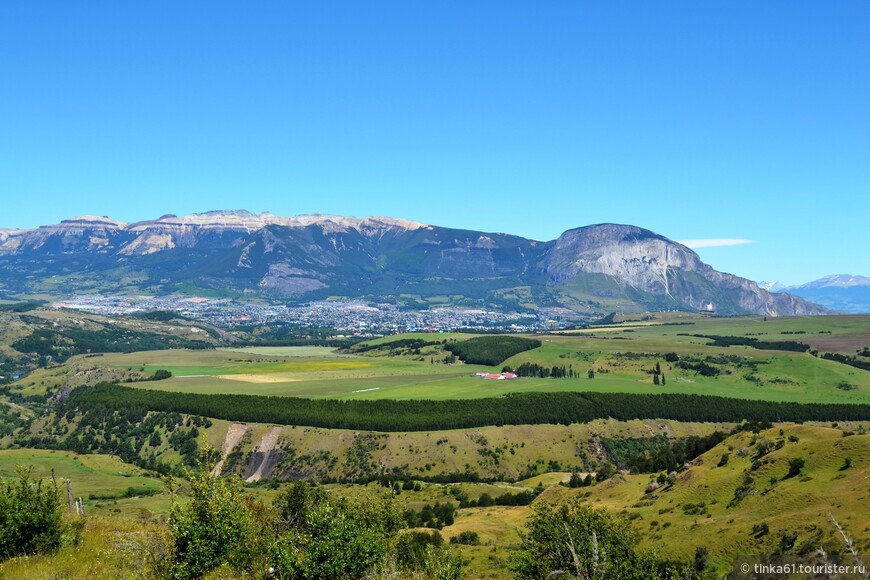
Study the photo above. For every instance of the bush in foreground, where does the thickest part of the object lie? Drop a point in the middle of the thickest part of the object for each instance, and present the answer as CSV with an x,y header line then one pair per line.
x,y
31,516
581,542
306,533
218,526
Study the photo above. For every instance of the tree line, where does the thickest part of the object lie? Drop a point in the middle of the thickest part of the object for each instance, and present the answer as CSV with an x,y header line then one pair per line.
x,y
847,360
426,415
784,345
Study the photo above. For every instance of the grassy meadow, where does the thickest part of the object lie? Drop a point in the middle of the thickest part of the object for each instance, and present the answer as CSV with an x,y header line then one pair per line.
x,y
107,484
620,355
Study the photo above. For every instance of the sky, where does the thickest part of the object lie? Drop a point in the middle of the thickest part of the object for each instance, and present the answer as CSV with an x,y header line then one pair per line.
x,y
744,121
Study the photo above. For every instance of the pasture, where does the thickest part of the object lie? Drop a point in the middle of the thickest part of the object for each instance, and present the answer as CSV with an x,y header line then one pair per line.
x,y
622,358
105,483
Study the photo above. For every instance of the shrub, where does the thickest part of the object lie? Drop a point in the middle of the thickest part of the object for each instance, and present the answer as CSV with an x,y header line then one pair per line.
x,y
216,527
794,467
466,538
336,539
31,516
596,542
161,375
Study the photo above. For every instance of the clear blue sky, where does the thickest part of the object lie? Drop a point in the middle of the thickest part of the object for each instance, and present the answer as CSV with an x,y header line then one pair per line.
x,y
698,120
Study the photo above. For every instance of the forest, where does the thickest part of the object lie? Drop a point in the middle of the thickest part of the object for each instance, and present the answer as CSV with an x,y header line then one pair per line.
x,y
425,415
491,350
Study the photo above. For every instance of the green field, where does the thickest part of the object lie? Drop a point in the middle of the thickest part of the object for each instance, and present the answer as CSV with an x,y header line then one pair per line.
x,y
106,483
621,356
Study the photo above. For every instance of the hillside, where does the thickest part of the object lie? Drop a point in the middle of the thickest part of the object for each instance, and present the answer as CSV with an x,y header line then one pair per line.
x,y
588,271
740,498
35,338
736,498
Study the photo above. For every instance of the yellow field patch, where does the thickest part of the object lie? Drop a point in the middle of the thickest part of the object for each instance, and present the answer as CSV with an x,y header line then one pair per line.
x,y
258,378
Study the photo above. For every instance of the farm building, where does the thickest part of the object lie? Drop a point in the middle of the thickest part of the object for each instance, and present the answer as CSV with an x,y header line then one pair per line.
x,y
498,377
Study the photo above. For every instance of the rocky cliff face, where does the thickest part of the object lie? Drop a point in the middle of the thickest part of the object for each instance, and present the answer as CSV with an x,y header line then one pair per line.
x,y
318,255
638,257
645,261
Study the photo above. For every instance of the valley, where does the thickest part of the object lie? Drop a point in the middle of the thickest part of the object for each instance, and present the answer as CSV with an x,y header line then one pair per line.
x,y
684,486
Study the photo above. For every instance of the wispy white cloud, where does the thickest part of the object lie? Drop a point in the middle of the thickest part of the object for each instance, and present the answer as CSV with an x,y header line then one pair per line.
x,y
715,242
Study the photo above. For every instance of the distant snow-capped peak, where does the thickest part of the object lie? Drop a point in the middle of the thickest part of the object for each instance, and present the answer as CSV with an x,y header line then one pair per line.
x,y
838,281
774,286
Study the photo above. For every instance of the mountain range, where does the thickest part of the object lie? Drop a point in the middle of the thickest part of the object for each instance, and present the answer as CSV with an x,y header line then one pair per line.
x,y
840,292
585,271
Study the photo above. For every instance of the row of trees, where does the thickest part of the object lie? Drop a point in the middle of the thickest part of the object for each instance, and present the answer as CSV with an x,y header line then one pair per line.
x,y
535,370
425,415
847,360
785,345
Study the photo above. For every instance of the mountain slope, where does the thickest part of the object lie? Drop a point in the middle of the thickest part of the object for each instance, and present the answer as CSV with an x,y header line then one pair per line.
x,y
648,263
588,269
838,292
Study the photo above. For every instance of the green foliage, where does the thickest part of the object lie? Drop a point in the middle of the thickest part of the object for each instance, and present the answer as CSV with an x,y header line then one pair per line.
x,y
60,345
491,350
794,467
431,516
11,420
535,370
306,534
335,538
425,415
466,538
216,527
160,315
658,453
760,530
25,306
425,552
577,481
847,360
785,345
702,368
31,516
411,547
401,343
586,542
